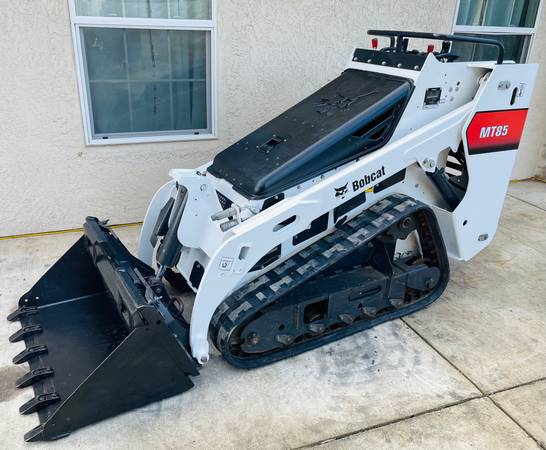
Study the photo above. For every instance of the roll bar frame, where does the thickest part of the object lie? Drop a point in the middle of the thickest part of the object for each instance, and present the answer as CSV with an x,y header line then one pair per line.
x,y
400,35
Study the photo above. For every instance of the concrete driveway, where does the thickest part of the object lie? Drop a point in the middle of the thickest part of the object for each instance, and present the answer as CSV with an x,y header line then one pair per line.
x,y
468,372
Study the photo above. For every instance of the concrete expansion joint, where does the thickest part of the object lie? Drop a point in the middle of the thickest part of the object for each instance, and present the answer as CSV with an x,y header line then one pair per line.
x,y
433,410
526,202
483,395
487,395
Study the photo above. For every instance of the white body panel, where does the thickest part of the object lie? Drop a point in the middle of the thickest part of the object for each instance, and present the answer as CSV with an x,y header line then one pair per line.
x,y
419,144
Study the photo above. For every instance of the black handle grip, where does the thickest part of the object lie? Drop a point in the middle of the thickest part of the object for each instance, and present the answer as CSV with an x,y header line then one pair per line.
x,y
442,37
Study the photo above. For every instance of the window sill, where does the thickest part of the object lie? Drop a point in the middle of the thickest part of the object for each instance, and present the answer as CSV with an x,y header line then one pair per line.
x,y
151,139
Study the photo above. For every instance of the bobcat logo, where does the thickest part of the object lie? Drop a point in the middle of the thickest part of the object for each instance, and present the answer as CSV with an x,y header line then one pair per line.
x,y
341,191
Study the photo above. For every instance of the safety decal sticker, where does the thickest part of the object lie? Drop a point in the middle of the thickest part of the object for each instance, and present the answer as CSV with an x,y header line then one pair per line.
x,y
226,264
494,131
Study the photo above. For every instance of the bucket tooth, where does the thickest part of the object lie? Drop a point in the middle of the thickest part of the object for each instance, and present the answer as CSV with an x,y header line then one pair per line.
x,y
33,376
24,332
35,434
29,353
21,312
38,433
39,402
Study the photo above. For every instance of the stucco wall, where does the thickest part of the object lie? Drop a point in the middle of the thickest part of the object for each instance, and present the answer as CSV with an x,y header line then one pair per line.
x,y
532,152
537,126
271,54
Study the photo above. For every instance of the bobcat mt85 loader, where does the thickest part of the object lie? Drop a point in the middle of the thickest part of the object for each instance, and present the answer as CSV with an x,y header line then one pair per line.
x,y
337,215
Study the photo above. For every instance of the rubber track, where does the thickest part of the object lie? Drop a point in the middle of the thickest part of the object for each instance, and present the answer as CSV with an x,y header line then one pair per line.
x,y
242,304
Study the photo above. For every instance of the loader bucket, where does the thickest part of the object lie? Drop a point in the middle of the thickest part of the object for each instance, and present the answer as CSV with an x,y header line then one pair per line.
x,y
102,337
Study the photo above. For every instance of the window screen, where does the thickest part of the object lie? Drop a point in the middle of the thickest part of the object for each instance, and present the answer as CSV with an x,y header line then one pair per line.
x,y
146,67
146,80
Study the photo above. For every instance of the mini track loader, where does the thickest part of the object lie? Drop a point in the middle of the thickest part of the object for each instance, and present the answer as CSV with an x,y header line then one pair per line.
x,y
335,216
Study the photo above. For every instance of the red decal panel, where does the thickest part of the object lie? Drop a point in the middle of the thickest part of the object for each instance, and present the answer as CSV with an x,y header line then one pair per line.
x,y
494,131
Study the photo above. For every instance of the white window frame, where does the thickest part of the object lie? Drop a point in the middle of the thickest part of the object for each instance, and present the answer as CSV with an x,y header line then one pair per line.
x,y
145,23
528,32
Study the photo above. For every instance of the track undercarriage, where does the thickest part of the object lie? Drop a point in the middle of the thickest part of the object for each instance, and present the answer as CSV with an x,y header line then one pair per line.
x,y
348,281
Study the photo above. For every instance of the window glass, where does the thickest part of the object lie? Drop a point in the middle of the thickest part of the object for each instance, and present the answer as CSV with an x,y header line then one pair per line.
x,y
157,9
498,13
110,107
514,48
470,12
143,80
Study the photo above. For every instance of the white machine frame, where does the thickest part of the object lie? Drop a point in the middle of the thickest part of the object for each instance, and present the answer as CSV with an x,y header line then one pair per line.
x,y
420,143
